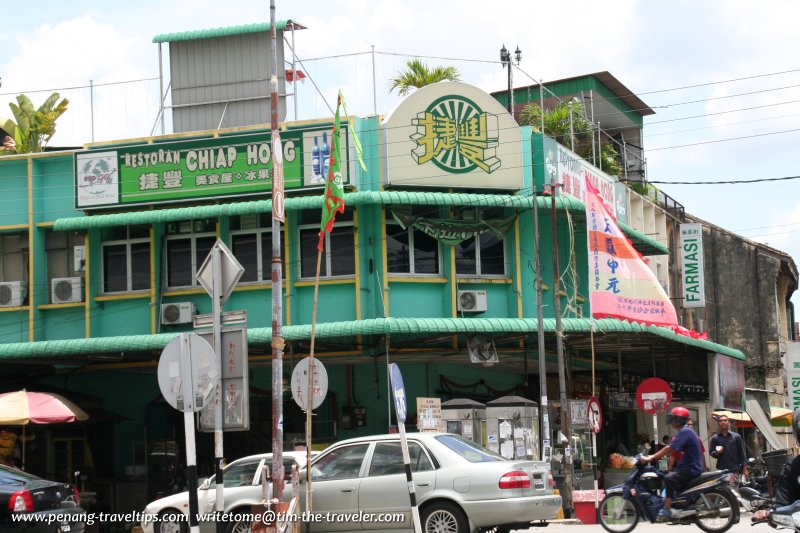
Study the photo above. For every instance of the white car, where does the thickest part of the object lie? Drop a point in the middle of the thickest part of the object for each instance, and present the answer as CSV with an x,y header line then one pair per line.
x,y
460,487
242,482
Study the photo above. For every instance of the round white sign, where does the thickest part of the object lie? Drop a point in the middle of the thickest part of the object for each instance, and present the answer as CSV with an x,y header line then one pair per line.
x,y
319,383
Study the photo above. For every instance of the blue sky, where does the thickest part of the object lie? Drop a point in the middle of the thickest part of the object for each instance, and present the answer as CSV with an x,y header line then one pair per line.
x,y
669,53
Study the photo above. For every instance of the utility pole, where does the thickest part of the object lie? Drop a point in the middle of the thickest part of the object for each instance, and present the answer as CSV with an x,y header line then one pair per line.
x,y
277,274
562,386
544,409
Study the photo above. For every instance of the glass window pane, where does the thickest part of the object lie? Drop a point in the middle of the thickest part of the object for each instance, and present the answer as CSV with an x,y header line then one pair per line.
x,y
465,257
266,255
343,257
492,257
398,254
245,249
115,268
426,254
341,463
140,266
387,459
240,475
308,254
202,248
179,262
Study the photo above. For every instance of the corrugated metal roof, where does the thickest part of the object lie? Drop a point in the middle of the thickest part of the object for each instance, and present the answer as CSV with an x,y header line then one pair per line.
x,y
211,33
376,326
643,243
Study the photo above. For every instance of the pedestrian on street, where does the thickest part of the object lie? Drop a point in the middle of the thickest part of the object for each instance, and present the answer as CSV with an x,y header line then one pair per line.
x,y
727,447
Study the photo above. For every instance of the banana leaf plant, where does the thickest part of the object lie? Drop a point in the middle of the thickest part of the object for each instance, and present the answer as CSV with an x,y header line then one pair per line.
x,y
33,128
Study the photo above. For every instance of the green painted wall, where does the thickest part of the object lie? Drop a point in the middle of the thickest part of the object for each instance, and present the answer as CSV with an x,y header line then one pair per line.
x,y
14,326
13,193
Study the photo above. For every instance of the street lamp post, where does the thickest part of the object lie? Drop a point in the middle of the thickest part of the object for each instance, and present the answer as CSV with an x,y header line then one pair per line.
x,y
505,59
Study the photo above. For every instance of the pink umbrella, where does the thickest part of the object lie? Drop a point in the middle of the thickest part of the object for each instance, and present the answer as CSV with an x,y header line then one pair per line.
x,y
21,408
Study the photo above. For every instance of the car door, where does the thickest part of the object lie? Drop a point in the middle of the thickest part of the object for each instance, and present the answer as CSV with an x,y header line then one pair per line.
x,y
384,488
335,478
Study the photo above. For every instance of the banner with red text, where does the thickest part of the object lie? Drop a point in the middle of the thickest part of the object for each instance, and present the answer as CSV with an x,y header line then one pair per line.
x,y
620,283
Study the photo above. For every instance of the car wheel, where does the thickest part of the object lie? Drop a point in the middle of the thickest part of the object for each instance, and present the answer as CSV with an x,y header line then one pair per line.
x,y
444,517
239,526
171,521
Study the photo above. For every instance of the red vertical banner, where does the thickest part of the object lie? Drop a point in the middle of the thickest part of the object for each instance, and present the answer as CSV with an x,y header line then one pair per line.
x,y
621,285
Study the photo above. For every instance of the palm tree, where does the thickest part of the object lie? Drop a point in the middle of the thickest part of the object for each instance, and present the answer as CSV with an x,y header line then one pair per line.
x,y
34,128
418,74
568,125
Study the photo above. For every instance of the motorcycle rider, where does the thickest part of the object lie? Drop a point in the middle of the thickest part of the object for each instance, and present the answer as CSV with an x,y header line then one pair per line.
x,y
690,465
787,490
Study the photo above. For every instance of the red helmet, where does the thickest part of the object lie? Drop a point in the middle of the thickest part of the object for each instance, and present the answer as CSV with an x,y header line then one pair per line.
x,y
678,414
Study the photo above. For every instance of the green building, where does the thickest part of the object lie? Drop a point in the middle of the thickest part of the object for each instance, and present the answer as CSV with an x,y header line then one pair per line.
x,y
431,266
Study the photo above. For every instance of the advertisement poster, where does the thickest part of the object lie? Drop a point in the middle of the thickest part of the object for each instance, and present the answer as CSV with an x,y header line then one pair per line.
x,y
726,376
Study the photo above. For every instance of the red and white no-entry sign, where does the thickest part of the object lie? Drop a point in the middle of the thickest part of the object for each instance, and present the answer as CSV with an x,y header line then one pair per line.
x,y
653,395
595,415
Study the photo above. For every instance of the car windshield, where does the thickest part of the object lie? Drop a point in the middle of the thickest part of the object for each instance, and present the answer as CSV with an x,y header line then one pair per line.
x,y
469,450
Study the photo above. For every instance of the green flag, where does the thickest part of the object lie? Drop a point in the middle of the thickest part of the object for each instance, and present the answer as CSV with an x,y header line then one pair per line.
x,y
333,202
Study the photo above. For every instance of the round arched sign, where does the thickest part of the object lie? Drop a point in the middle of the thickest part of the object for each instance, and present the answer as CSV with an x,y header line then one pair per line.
x,y
595,415
653,395
300,383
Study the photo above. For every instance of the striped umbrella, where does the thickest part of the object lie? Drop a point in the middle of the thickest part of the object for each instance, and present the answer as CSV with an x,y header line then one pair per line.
x,y
21,408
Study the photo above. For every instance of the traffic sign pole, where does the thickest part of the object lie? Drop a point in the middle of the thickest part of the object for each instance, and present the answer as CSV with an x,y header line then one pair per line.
x,y
186,374
216,315
191,470
401,409
188,395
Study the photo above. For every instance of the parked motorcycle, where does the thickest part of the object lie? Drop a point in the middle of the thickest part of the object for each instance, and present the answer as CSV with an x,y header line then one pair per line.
x,y
707,501
752,499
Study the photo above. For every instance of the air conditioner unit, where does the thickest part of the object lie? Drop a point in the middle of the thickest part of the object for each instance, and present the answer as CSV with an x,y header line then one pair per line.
x,y
66,290
177,313
472,301
12,293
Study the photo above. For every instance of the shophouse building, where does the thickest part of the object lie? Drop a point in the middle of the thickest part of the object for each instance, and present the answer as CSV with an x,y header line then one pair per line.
x,y
431,266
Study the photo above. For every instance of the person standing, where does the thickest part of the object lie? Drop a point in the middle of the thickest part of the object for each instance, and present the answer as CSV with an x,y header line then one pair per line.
x,y
727,447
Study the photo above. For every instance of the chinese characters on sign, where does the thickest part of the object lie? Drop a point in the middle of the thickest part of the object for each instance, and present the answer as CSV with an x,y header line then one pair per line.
x,y
199,168
620,283
456,144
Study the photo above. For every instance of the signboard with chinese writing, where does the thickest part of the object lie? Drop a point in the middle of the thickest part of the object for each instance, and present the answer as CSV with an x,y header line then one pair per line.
x,y
694,292
726,382
570,171
452,134
319,383
793,374
202,168
621,285
429,414
235,383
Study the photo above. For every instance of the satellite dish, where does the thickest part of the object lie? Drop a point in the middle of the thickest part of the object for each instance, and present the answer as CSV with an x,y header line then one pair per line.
x,y
482,350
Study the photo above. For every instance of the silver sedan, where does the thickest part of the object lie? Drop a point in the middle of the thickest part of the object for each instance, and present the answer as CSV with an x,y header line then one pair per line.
x,y
360,485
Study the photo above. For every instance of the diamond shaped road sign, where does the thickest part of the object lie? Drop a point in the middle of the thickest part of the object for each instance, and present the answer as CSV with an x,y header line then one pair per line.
x,y
230,271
